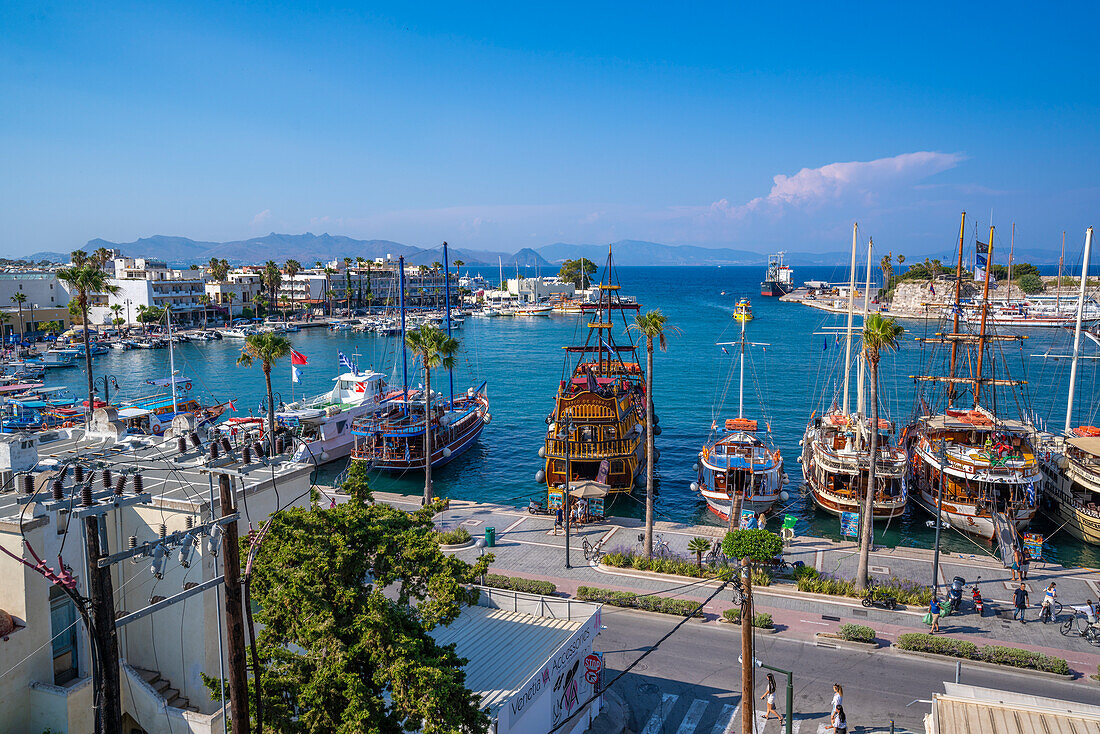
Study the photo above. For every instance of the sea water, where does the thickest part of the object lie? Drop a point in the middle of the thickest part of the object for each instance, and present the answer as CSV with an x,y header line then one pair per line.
x,y
793,368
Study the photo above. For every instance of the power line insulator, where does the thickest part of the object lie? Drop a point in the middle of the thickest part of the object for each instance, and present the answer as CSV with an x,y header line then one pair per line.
x,y
86,495
78,473
246,454
163,530
58,490
139,484
106,478
214,450
226,446
181,444
120,484
194,436
28,484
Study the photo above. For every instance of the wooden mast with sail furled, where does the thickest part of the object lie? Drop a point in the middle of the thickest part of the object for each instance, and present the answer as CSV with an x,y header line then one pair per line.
x,y
836,457
597,426
974,467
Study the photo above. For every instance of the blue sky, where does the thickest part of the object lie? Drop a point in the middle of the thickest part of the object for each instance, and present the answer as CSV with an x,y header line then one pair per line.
x,y
500,126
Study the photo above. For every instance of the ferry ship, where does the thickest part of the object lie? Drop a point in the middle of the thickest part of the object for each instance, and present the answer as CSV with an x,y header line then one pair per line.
x,y
779,280
738,469
836,455
973,468
597,426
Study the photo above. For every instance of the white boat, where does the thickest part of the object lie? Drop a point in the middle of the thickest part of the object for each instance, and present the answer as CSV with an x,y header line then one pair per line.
x,y
237,332
340,326
533,309
323,422
60,358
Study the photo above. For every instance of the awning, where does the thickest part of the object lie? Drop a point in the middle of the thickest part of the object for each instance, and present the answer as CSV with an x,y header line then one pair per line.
x,y
133,413
588,488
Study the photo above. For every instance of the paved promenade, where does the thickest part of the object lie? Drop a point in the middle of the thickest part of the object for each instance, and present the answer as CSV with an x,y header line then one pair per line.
x,y
527,547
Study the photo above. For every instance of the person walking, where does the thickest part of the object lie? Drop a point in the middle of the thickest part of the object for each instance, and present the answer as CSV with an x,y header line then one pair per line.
x,y
1025,563
838,696
934,610
557,521
839,722
770,695
1047,610
1019,601
1017,563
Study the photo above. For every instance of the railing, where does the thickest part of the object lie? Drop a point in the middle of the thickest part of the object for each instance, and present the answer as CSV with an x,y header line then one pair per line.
x,y
587,412
591,449
536,604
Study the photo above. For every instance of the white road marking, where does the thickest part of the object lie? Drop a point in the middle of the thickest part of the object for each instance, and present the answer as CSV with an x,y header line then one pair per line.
x,y
514,525
725,720
821,728
807,621
732,722
819,560
657,720
612,531
691,718
796,725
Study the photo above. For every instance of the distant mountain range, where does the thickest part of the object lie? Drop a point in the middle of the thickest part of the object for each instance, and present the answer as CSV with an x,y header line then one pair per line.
x,y
309,248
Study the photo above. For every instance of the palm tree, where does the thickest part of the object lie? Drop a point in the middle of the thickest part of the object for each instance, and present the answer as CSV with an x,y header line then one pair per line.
x,y
435,350
116,309
142,311
272,279
651,325
228,298
879,334
205,300
87,280
19,299
78,258
267,349
331,306
370,296
5,317
699,546
101,256
459,264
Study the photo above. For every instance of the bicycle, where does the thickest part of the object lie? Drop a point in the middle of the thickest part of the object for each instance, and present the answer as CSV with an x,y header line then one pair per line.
x,y
660,545
716,556
1055,611
592,553
1080,626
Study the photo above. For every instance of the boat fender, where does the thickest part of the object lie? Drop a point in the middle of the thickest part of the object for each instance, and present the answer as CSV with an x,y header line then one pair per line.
x,y
799,459
786,480
801,442
446,453
470,392
656,430
695,466
542,452
540,476
695,486
488,417
656,418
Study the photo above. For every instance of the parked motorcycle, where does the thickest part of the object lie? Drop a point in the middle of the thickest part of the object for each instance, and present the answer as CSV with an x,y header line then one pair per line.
x,y
976,596
881,599
954,596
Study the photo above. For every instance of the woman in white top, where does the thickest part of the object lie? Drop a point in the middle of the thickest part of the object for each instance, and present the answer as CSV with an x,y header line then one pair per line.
x,y
770,695
839,722
838,696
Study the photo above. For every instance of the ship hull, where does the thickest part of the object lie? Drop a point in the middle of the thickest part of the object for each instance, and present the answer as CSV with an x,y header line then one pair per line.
x,y
774,289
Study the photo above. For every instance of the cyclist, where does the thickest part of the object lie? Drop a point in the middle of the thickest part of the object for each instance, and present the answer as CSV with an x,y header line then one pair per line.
x,y
1047,609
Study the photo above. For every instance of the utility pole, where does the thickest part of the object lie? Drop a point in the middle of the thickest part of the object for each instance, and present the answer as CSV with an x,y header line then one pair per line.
x,y
234,613
101,593
748,711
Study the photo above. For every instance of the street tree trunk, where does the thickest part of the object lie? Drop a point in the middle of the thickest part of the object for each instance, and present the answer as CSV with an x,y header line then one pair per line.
x,y
270,409
866,529
649,449
427,434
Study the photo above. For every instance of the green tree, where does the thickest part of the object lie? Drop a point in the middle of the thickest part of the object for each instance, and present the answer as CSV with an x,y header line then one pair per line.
x,y
19,299
116,309
292,267
272,279
577,271
205,300
148,315
78,258
880,334
357,483
345,645
652,325
219,269
1031,283
87,280
51,327
5,319
435,350
267,349
699,546
759,546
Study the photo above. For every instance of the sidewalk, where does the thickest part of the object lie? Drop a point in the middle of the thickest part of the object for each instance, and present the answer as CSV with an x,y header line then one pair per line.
x,y
527,547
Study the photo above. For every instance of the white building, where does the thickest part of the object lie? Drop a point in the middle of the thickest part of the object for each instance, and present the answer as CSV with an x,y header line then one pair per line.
x,y
47,677
150,283
534,290
47,299
237,292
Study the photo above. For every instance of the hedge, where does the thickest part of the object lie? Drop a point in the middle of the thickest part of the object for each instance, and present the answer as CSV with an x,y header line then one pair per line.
x,y
657,564
906,592
762,620
512,583
1013,656
630,600
458,536
857,633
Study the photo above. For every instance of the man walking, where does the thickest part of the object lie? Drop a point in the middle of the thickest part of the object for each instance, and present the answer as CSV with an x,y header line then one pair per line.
x,y
1019,599
557,521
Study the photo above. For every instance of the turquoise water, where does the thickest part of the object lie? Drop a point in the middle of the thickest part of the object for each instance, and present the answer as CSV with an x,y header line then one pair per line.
x,y
522,359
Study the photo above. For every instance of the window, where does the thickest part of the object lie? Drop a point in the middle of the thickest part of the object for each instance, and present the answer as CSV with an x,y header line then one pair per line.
x,y
63,626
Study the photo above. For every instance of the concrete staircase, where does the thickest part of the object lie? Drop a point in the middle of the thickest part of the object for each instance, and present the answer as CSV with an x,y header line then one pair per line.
x,y
165,690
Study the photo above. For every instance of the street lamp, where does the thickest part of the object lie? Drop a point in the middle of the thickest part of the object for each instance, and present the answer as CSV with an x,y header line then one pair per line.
x,y
939,518
108,381
568,474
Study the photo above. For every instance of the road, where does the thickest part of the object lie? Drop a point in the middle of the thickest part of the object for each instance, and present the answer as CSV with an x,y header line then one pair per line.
x,y
691,683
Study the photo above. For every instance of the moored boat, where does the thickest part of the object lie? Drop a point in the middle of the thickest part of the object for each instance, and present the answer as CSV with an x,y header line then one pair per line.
x,y
779,278
323,423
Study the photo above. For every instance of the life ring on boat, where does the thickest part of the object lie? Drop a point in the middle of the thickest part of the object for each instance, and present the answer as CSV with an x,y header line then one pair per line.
x,y
187,385
157,429
67,424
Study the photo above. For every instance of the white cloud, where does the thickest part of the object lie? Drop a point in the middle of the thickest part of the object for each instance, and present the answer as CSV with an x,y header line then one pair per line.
x,y
261,218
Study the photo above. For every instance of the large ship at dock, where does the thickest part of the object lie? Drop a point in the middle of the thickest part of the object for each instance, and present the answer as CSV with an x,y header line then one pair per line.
x,y
597,426
973,468
779,278
836,447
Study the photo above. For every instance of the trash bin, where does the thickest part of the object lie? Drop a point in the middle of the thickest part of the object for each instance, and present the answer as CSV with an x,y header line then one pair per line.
x,y
490,537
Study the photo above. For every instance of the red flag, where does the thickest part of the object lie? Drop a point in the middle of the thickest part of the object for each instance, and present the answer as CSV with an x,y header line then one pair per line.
x,y
297,358
232,406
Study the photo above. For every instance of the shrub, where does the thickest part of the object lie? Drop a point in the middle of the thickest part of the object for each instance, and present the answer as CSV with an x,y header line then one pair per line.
x,y
762,620
458,536
1012,656
761,577
758,545
905,591
513,583
804,572
733,614
630,600
922,642
857,633
625,558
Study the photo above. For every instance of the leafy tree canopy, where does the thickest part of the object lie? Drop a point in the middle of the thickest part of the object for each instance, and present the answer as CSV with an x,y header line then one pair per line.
x,y
1030,283
571,271
756,545
338,654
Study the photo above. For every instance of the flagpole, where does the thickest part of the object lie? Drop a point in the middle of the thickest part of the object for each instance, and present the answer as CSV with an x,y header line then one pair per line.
x,y
404,352
447,305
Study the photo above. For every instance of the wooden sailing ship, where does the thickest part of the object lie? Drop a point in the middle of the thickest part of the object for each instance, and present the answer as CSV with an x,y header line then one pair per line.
x,y
739,467
597,426
836,456
972,467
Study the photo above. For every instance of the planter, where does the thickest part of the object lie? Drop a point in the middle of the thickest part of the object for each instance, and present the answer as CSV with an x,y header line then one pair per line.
x,y
985,665
460,546
758,630
838,641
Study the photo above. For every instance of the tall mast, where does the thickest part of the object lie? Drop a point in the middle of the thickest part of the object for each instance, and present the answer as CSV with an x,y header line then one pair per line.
x,y
985,312
956,310
171,359
447,305
1011,252
1077,329
1058,293
851,312
741,383
860,407
404,352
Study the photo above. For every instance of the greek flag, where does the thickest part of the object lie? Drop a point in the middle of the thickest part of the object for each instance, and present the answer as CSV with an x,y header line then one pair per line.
x,y
295,374
345,362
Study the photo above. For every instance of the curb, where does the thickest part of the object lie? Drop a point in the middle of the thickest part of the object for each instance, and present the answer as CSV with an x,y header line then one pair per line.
x,y
461,546
826,638
756,630
984,665
658,615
